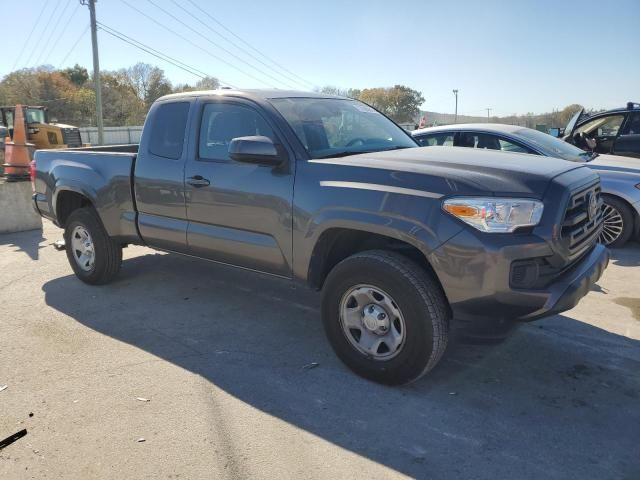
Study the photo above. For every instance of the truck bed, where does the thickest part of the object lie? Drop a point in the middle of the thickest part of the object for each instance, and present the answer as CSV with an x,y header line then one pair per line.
x,y
101,174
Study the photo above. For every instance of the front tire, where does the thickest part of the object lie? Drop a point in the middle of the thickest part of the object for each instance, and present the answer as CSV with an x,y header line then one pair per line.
x,y
385,317
94,257
618,222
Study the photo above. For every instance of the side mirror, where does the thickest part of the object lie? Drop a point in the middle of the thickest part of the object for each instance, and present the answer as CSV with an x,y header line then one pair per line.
x,y
256,149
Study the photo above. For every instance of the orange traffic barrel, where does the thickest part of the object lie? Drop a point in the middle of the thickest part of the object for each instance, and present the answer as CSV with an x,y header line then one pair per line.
x,y
16,153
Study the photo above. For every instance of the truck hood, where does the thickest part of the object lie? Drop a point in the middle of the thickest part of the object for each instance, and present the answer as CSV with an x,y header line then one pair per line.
x,y
481,171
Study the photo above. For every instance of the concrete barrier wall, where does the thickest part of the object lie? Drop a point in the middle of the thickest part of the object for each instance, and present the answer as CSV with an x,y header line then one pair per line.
x,y
16,212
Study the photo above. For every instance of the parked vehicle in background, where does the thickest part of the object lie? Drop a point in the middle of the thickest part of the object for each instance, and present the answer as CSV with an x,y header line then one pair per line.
x,y
40,131
616,132
620,176
328,191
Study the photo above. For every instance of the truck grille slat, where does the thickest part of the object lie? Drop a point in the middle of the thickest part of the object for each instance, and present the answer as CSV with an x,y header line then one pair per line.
x,y
581,228
71,137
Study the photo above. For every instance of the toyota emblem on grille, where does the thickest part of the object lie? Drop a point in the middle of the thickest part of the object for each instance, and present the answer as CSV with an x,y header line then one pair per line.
x,y
592,208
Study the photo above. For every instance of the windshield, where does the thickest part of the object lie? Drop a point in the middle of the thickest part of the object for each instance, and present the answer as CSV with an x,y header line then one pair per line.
x,y
329,127
554,147
35,115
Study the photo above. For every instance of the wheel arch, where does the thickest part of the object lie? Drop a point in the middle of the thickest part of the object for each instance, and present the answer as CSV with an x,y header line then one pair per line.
x,y
68,199
337,243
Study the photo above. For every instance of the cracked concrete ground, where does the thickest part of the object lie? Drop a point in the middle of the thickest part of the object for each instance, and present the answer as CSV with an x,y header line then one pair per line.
x,y
220,353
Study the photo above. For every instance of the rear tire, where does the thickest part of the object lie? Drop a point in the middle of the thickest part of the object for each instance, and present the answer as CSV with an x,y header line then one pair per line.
x,y
375,285
618,222
84,233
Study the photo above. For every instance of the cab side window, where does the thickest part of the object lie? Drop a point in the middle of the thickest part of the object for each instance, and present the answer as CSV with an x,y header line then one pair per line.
x,y
222,122
168,129
436,139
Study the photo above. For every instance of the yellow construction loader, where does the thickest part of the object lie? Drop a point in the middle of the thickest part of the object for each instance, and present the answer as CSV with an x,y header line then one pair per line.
x,y
41,133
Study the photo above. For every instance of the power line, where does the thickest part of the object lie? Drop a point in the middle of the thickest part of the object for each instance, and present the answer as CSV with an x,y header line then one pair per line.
x,y
189,41
62,32
131,39
24,45
248,44
152,51
73,47
46,44
242,49
35,47
228,52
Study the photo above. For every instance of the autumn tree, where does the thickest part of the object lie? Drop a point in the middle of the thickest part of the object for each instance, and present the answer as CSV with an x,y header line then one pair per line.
x,y
401,103
148,81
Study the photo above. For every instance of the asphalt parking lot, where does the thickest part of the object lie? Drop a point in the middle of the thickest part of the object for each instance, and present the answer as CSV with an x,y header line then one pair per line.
x,y
220,356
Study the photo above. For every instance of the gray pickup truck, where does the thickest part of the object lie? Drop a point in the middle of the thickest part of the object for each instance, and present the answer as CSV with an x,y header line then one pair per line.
x,y
404,242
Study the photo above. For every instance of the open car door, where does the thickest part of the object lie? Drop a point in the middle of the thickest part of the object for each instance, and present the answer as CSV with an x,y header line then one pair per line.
x,y
571,126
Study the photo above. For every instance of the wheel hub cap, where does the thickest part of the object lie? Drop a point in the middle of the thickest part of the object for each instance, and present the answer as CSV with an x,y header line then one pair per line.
x,y
82,248
372,322
613,224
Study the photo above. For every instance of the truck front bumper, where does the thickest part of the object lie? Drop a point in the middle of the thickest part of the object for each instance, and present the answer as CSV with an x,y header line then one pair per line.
x,y
566,292
475,271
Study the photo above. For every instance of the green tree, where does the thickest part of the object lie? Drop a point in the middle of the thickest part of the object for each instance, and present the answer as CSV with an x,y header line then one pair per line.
x,y
77,75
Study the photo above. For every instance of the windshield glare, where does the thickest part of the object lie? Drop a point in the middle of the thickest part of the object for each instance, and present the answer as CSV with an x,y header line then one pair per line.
x,y
332,127
554,147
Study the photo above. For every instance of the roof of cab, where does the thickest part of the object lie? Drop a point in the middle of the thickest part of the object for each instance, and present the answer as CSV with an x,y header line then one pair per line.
x,y
249,93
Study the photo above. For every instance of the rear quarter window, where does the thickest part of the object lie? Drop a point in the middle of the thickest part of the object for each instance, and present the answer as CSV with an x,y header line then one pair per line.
x,y
168,129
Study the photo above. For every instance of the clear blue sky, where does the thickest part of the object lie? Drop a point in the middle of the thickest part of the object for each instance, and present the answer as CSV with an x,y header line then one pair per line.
x,y
512,56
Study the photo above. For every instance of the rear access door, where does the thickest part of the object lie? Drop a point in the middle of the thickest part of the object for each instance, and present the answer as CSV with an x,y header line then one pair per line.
x,y
159,176
239,213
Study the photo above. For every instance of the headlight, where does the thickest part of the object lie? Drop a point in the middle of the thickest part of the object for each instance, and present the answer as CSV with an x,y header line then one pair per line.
x,y
495,215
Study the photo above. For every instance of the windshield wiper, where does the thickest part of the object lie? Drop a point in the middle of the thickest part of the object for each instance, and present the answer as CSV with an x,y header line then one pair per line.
x,y
345,153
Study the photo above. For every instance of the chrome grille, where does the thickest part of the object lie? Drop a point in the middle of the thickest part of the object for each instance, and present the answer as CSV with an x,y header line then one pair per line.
x,y
581,227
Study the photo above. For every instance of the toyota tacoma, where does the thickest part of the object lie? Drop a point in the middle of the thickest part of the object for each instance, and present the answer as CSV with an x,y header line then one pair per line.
x,y
404,242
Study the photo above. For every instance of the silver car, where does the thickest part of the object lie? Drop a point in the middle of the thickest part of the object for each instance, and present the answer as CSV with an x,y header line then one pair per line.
x,y
620,176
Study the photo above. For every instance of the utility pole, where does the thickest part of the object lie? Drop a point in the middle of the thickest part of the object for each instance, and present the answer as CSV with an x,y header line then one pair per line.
x,y
455,92
96,67
488,111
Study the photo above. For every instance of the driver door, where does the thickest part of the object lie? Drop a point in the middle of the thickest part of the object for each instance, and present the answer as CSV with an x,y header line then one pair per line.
x,y
239,213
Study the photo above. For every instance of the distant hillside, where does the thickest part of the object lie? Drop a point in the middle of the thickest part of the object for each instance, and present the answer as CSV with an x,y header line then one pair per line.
x,y
556,118
448,118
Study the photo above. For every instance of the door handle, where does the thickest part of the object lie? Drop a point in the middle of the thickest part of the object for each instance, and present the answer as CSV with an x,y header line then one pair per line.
x,y
198,181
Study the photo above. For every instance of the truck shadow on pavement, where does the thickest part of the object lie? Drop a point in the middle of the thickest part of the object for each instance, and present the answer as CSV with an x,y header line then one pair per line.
x,y
558,399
